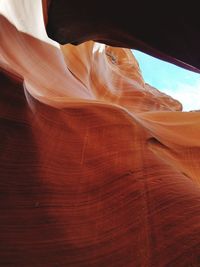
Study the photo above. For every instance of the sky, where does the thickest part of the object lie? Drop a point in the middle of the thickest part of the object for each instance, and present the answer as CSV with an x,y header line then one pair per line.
x,y
177,82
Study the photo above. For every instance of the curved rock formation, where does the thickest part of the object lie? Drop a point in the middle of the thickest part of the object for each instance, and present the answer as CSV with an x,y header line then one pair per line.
x,y
163,30
97,168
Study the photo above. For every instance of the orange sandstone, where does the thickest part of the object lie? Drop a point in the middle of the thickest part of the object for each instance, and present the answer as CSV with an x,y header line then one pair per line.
x,y
97,168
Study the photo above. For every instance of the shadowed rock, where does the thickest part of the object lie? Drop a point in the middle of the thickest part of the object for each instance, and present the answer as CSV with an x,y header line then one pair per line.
x,y
97,168
161,29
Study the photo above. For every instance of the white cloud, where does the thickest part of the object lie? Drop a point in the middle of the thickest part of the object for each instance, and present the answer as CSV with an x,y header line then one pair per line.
x,y
188,95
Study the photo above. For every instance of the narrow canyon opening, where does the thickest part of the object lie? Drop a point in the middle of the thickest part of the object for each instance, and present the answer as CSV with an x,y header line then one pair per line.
x,y
181,84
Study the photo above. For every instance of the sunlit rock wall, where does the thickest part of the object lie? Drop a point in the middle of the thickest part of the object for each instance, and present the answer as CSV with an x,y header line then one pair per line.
x,y
97,168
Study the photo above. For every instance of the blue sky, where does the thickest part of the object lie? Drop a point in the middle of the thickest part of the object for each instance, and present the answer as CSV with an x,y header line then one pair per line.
x,y
177,82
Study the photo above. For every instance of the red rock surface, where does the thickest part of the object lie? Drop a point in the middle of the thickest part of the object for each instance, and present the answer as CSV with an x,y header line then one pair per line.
x,y
97,168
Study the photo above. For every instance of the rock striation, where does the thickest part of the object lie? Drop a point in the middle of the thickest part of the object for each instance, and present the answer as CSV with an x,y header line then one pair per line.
x,y
97,168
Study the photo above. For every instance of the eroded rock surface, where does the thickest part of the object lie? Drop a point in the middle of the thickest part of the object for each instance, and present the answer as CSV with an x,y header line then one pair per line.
x,y
97,168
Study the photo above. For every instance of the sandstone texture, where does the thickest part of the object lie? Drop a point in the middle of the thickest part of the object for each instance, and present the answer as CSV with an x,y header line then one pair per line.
x,y
97,168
